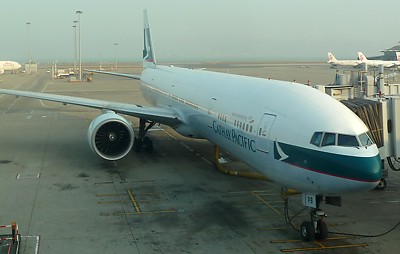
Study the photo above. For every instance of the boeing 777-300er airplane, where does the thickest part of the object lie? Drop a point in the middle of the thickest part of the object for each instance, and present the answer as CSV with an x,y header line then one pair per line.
x,y
8,66
376,63
293,134
332,60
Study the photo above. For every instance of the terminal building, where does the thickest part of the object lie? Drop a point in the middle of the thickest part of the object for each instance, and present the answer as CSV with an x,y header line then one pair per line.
x,y
388,54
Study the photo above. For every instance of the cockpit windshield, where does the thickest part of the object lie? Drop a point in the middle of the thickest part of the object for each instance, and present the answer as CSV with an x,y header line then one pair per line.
x,y
365,140
347,140
335,139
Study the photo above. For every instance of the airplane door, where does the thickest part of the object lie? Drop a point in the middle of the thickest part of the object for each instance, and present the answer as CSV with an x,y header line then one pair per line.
x,y
263,132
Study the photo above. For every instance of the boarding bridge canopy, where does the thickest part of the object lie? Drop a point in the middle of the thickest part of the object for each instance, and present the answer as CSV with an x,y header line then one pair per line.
x,y
370,113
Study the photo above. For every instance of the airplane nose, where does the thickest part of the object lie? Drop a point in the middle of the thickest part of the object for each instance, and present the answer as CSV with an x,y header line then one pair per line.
x,y
372,169
369,172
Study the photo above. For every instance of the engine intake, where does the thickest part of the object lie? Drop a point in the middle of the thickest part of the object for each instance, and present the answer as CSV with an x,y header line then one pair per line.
x,y
110,136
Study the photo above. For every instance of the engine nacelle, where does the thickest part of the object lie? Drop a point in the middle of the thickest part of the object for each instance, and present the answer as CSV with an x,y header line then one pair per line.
x,y
110,136
1,71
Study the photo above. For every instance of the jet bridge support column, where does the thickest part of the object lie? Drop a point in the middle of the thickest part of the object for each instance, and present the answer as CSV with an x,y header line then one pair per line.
x,y
381,81
363,81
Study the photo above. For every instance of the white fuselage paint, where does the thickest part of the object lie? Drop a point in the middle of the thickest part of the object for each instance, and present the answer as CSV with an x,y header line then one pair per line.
x,y
376,63
345,62
211,103
9,65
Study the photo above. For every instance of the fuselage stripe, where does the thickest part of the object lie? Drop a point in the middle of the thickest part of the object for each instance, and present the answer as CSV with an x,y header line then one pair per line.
x,y
334,175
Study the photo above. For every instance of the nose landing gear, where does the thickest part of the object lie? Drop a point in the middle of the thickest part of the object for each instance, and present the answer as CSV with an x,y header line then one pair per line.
x,y
316,228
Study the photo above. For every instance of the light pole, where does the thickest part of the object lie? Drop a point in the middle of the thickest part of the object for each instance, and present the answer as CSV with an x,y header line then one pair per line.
x,y
116,62
74,26
28,43
80,51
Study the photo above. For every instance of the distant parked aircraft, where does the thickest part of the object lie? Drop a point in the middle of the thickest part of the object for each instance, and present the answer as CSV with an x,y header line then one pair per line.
x,y
332,60
8,66
376,63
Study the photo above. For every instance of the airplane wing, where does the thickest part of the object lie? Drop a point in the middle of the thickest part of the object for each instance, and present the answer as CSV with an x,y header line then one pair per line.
x,y
125,75
160,115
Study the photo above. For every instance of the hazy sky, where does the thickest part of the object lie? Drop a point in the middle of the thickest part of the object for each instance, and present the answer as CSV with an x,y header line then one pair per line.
x,y
199,30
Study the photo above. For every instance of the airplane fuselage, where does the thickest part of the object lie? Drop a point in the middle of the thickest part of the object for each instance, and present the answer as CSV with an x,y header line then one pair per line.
x,y
376,63
9,65
272,132
344,63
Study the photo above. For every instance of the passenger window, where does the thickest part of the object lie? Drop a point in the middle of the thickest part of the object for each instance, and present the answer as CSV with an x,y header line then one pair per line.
x,y
347,140
329,139
316,138
365,140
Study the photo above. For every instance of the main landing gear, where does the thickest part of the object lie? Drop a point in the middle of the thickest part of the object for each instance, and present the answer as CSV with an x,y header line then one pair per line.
x,y
316,228
142,141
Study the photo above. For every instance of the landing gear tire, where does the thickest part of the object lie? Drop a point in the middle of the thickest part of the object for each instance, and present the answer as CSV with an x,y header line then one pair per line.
x,y
381,185
142,141
322,231
144,144
137,145
307,231
147,145
316,227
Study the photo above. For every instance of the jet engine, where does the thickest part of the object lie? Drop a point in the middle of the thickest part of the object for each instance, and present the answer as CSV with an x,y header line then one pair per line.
x,y
1,71
110,136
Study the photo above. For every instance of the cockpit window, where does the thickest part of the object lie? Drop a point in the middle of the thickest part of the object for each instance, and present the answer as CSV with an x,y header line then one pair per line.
x,y
316,138
320,138
329,139
365,140
347,140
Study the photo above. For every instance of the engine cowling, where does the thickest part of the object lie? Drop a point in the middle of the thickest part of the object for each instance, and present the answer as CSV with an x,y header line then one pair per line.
x,y
1,71
110,136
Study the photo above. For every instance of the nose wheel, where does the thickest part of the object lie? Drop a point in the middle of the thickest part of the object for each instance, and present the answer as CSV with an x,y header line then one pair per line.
x,y
316,228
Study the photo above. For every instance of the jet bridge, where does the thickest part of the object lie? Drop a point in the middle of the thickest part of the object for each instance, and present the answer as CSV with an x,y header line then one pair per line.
x,y
370,112
382,116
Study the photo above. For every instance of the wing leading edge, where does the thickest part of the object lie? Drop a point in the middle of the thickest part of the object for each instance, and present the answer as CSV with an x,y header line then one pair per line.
x,y
160,115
